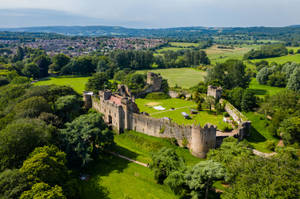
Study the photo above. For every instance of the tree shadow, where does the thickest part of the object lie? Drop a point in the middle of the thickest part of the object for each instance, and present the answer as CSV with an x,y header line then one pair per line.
x,y
255,136
106,164
259,91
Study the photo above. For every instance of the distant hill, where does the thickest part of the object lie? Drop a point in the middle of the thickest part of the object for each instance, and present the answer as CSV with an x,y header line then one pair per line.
x,y
279,33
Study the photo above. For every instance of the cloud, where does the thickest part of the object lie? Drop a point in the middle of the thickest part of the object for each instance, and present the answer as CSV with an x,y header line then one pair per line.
x,y
169,13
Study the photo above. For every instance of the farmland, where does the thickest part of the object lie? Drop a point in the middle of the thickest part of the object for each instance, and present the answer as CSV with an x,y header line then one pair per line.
x,y
183,77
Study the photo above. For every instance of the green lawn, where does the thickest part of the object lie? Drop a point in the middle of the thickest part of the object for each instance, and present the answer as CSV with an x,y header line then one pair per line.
x,y
75,82
169,48
203,117
183,44
116,178
263,90
183,77
259,133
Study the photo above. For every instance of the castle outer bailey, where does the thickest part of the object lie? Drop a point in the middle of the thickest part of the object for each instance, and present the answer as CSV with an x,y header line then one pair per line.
x,y
121,112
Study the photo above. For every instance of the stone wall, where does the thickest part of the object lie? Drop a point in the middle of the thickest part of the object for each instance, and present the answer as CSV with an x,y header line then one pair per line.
x,y
244,124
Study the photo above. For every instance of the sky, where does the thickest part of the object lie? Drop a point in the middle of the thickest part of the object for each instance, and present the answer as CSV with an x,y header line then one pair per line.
x,y
150,13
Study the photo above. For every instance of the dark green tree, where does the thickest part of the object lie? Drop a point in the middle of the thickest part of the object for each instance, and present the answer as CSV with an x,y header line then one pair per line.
x,y
98,81
68,107
31,70
44,191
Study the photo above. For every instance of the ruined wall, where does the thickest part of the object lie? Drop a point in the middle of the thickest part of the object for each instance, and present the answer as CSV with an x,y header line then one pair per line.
x,y
175,94
244,124
214,91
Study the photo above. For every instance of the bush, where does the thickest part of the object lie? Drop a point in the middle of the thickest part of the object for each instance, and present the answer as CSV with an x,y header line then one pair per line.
x,y
271,145
157,95
225,114
226,128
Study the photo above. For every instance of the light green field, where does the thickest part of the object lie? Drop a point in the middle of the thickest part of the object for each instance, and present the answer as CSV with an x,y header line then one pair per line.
x,y
282,60
77,83
263,90
183,44
259,133
183,77
202,118
221,55
169,48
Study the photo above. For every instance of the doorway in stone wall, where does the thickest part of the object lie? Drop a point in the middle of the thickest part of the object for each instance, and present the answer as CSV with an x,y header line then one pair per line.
x,y
109,119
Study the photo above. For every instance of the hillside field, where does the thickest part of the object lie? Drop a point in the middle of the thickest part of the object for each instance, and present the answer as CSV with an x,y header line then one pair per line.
x,y
183,77
263,90
77,83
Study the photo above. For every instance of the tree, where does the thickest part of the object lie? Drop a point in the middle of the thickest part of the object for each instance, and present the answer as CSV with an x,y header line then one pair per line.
x,y
31,70
294,80
230,74
43,62
177,182
68,107
263,75
59,61
290,130
248,100
32,107
46,164
82,65
13,183
257,177
98,81
19,139
164,162
85,137
235,97
202,176
43,191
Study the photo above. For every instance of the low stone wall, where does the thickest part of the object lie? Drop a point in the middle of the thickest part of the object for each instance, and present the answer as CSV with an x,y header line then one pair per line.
x,y
244,124
175,94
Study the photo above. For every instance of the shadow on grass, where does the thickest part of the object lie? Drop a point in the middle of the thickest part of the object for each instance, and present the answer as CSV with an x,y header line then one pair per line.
x,y
255,136
105,165
259,91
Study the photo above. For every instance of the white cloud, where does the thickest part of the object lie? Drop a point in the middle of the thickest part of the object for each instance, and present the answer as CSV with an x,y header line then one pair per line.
x,y
176,12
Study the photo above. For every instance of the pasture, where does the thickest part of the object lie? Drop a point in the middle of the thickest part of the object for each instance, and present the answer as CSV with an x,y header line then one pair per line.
x,y
183,77
281,60
179,106
75,82
263,90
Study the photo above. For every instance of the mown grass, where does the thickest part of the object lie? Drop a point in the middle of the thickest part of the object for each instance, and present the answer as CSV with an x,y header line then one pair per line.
x,y
202,118
281,60
75,82
263,90
183,77
183,44
115,178
259,134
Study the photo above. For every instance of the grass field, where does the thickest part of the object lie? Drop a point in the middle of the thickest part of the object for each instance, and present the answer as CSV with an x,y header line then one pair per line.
x,y
203,117
77,83
183,44
263,90
216,54
183,77
115,178
259,133
282,60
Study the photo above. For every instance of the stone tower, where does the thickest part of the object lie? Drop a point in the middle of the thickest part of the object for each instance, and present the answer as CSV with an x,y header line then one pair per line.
x,y
203,139
214,91
155,81
87,99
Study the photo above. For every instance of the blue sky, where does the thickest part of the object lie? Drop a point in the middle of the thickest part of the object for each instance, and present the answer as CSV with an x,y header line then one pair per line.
x,y
150,13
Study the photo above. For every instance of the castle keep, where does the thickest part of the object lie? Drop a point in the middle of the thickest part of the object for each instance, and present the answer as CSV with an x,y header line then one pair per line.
x,y
122,113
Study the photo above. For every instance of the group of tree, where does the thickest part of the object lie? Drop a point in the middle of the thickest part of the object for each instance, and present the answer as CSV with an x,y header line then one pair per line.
x,y
283,108
267,51
242,99
45,135
194,182
286,75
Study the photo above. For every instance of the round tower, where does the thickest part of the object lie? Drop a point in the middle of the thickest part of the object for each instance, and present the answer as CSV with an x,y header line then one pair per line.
x,y
202,140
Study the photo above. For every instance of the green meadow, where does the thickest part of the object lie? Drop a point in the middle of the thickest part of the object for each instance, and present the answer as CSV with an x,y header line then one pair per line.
x,y
75,82
183,77
263,90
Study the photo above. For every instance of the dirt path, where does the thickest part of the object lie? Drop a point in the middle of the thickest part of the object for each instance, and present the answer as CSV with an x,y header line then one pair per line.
x,y
264,155
129,159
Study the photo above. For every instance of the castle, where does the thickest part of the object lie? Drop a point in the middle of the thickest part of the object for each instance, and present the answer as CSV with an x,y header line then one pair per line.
x,y
121,113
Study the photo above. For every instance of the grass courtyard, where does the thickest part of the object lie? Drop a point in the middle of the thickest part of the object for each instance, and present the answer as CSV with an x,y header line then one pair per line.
x,y
75,82
183,77
203,117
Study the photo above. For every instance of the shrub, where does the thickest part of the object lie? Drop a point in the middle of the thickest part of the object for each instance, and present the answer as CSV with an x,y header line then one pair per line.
x,y
225,114
270,144
157,95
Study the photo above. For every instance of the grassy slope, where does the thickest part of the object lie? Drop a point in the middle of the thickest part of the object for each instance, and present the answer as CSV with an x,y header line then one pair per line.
x,y
283,59
77,83
259,132
116,178
184,77
262,90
